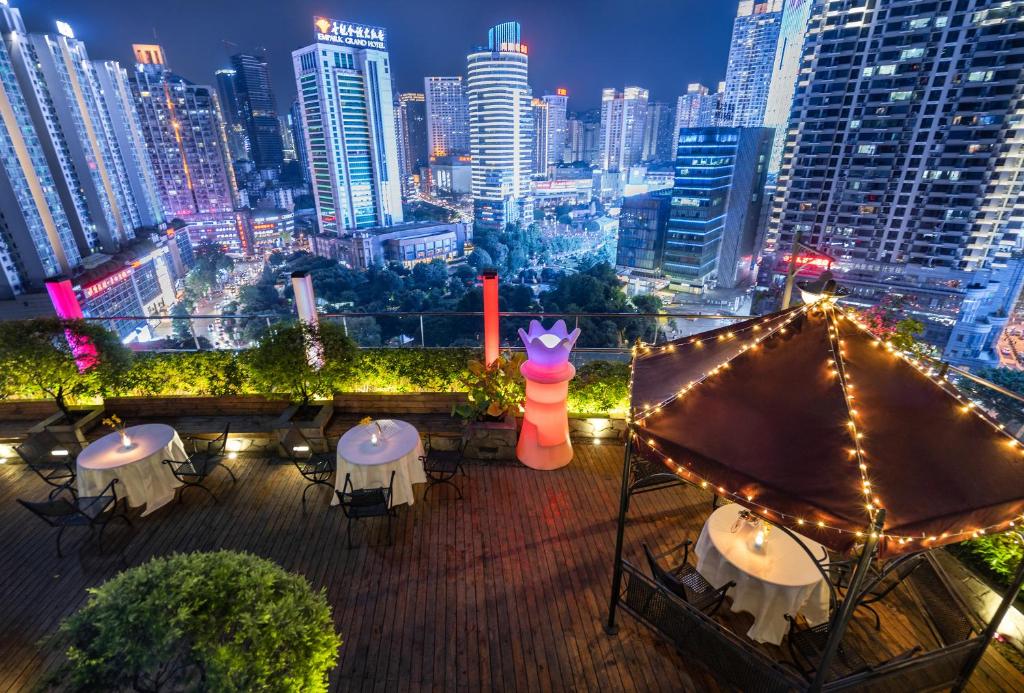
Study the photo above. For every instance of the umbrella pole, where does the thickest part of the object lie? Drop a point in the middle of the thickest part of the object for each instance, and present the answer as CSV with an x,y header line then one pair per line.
x,y
610,628
993,624
845,613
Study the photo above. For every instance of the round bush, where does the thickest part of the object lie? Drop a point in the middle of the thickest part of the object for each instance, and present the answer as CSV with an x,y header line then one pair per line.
x,y
222,621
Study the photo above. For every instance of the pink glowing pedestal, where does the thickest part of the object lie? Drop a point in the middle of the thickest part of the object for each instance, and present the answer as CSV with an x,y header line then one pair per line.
x,y
544,440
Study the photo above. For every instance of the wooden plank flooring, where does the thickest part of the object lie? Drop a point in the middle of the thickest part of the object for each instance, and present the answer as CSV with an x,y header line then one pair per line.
x,y
505,590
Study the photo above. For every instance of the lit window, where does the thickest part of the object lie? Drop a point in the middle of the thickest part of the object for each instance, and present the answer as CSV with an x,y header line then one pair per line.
x,y
910,53
866,149
901,95
980,76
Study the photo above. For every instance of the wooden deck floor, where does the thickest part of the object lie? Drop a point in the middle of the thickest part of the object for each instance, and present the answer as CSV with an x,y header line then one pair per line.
x,y
504,590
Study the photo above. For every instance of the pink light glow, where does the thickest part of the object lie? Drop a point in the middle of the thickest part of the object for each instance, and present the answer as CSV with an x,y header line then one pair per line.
x,y
66,305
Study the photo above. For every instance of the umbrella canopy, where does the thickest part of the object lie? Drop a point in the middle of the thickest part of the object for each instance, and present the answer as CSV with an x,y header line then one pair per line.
x,y
805,417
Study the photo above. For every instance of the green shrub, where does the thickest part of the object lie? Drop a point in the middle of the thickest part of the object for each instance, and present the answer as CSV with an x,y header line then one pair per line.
x,y
222,621
994,555
196,374
600,387
409,370
280,362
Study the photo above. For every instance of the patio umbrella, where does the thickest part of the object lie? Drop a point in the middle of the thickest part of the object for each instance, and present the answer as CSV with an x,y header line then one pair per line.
x,y
807,418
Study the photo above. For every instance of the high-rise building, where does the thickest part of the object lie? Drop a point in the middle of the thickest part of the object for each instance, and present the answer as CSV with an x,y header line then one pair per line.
x,y
539,157
36,240
623,117
412,112
582,132
748,76
716,205
186,139
231,109
62,96
643,225
447,116
916,190
131,141
792,31
344,86
500,127
659,133
299,137
697,108
258,110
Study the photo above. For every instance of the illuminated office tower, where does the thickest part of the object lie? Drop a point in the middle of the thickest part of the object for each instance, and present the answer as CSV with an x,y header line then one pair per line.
x,y
62,97
697,108
299,136
344,86
659,134
186,139
784,75
500,127
555,131
623,118
231,109
447,116
412,113
258,110
539,157
917,187
127,132
36,240
748,76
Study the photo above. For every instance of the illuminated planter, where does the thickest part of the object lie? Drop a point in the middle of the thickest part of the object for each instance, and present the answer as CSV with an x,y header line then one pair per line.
x,y
544,440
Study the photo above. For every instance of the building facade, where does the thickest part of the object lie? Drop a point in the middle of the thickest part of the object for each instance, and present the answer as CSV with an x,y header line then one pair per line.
x,y
697,108
539,156
716,205
258,110
659,133
500,127
231,109
299,138
748,76
643,226
910,179
623,118
447,116
413,131
786,67
344,85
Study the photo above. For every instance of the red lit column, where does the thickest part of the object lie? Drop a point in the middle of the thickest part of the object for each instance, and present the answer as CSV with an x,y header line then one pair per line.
x,y
67,307
491,336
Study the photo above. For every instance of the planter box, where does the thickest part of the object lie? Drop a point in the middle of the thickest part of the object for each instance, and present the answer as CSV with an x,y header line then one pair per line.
x,y
71,432
314,428
375,404
585,429
492,440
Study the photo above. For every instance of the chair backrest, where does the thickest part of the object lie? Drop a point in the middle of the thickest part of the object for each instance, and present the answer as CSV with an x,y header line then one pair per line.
x,y
218,444
51,512
663,577
350,497
892,575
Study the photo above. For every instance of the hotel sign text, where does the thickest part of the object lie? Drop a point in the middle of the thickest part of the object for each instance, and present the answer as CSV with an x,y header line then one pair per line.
x,y
349,34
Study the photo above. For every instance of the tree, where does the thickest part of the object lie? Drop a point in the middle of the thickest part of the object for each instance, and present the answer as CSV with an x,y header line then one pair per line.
x,y
63,359
429,275
281,359
211,261
480,259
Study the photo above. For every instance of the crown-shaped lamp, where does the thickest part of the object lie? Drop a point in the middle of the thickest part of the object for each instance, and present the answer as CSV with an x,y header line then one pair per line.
x,y
548,348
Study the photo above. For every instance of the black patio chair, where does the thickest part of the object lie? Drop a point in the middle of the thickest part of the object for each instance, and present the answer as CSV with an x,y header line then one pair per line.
x,y
217,446
315,467
82,511
807,646
442,464
51,459
684,581
200,464
360,503
891,576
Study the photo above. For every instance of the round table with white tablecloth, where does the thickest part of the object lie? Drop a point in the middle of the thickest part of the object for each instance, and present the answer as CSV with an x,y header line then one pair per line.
x,y
143,478
771,582
398,448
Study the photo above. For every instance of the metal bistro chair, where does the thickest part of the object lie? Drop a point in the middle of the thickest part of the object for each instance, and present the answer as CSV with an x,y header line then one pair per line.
x,y
201,463
366,502
442,464
315,467
685,581
892,575
84,511
51,459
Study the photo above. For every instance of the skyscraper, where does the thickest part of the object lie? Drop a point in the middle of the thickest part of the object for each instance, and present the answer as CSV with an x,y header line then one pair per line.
x,y
299,136
697,108
62,96
623,117
748,76
500,127
186,139
127,131
231,109
555,129
37,240
716,204
539,157
412,111
659,133
447,116
258,110
786,67
916,188
348,115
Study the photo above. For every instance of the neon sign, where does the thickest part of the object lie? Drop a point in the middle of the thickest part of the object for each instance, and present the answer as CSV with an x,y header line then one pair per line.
x,y
107,282
561,92
349,34
822,262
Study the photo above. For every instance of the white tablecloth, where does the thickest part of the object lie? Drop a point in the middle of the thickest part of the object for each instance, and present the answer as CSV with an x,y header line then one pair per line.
x,y
370,465
781,579
142,476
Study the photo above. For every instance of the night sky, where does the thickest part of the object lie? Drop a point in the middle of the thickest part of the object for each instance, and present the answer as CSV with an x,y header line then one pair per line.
x,y
583,45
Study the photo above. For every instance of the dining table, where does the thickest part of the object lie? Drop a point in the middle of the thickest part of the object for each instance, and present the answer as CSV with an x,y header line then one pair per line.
x,y
368,453
143,478
773,578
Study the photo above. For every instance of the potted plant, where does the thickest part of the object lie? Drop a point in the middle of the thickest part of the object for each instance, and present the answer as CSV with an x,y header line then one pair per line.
x,y
494,395
67,360
304,362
